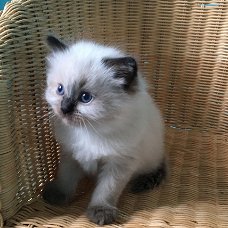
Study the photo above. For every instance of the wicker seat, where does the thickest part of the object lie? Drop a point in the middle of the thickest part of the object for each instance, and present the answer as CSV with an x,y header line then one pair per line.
x,y
181,47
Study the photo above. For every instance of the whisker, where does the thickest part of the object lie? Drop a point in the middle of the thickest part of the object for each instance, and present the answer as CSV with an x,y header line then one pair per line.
x,y
93,127
85,127
96,121
80,123
48,113
48,116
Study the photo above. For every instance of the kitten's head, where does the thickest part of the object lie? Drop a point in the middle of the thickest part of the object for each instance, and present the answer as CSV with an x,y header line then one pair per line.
x,y
88,81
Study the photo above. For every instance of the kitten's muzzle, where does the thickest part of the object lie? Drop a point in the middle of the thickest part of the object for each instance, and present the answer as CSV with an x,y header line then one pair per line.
x,y
67,105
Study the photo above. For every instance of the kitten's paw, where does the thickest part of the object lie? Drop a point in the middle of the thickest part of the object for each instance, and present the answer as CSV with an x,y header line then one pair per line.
x,y
102,215
149,181
53,195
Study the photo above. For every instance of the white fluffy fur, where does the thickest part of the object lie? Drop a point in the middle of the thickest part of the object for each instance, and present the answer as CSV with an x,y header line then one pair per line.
x,y
137,134
131,140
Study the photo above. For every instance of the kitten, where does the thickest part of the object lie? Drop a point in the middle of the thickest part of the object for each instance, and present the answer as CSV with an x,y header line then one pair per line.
x,y
107,124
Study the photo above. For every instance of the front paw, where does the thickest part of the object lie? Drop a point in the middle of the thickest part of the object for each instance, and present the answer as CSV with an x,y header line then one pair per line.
x,y
102,215
53,195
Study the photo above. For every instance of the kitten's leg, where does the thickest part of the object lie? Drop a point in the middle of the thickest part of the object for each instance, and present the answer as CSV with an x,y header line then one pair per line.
x,y
62,189
111,181
148,181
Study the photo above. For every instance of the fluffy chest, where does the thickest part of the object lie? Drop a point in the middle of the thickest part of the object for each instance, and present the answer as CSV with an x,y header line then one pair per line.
x,y
87,145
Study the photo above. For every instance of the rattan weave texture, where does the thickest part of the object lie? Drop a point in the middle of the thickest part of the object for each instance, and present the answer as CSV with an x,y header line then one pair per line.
x,y
196,194
182,49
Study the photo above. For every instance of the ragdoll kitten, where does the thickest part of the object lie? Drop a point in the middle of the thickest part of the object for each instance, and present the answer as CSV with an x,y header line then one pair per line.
x,y
107,124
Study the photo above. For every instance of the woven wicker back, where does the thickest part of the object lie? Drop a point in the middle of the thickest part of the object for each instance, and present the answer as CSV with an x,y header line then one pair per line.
x,y
181,47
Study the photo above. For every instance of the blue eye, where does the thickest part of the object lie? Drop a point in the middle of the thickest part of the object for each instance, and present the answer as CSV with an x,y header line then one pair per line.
x,y
60,89
85,97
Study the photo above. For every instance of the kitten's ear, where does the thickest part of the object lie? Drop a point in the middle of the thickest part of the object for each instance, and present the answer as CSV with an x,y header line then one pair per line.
x,y
55,44
125,67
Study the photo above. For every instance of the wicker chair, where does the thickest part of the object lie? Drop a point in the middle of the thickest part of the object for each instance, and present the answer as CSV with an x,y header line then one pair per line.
x,y
182,49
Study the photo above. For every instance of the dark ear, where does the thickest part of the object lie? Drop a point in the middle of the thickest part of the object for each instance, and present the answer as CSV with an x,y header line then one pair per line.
x,y
55,44
125,67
